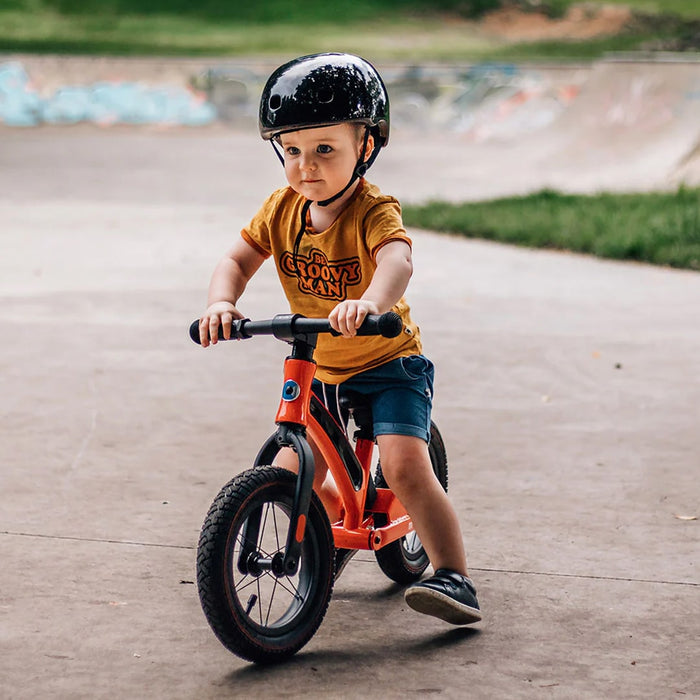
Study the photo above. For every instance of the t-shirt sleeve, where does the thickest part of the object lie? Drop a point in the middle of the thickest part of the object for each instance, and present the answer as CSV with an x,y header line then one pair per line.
x,y
257,232
383,224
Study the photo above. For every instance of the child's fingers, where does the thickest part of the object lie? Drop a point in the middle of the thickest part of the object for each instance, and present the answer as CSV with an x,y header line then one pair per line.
x,y
355,313
218,318
333,319
343,319
348,316
226,319
360,316
204,331
214,328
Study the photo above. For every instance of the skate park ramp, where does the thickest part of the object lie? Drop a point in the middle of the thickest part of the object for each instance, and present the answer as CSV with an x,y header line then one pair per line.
x,y
627,122
633,126
620,124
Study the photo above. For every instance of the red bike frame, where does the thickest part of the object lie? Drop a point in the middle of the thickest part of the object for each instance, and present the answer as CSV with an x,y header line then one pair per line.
x,y
301,414
355,529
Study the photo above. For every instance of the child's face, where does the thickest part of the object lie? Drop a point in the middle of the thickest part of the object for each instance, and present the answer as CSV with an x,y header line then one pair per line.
x,y
319,162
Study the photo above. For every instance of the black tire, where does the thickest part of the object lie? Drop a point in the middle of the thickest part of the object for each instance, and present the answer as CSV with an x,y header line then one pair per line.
x,y
260,616
405,560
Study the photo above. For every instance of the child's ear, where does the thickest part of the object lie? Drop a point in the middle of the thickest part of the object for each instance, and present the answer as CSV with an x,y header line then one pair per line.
x,y
369,148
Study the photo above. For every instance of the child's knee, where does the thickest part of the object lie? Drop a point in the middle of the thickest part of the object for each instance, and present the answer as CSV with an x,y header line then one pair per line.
x,y
402,475
405,463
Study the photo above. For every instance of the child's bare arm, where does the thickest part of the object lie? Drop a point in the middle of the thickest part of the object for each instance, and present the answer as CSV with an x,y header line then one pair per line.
x,y
228,283
389,282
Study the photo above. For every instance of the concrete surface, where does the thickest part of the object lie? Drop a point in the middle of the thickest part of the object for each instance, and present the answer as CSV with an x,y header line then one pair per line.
x,y
567,393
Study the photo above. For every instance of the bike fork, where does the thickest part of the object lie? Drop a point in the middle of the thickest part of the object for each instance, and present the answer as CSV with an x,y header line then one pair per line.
x,y
291,419
287,564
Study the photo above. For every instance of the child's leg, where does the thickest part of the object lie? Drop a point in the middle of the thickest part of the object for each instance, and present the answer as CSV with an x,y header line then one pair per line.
x,y
449,594
406,466
323,484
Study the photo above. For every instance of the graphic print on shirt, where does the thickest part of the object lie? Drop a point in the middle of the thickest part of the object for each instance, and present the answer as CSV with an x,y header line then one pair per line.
x,y
319,276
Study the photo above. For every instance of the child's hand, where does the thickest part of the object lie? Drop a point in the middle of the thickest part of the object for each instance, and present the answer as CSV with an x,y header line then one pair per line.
x,y
348,316
220,313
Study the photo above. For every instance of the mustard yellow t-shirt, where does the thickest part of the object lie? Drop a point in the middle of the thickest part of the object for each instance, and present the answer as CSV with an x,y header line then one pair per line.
x,y
334,265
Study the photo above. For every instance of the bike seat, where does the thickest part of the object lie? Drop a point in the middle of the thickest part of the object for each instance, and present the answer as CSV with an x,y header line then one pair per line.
x,y
360,408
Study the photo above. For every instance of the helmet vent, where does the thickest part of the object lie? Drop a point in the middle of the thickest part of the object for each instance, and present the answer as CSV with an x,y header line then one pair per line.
x,y
325,96
275,102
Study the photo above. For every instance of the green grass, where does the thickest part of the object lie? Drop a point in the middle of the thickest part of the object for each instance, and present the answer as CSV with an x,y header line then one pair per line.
x,y
415,30
405,39
196,36
658,228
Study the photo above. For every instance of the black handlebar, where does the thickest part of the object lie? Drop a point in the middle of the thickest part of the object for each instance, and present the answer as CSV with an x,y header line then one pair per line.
x,y
290,327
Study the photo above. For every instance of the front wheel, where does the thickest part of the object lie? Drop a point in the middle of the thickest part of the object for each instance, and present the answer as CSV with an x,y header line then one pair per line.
x,y
405,560
257,611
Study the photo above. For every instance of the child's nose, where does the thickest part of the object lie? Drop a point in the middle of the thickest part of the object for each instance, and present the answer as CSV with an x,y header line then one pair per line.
x,y
308,162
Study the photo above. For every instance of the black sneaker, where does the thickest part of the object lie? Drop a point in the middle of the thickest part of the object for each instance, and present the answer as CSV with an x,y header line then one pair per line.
x,y
447,595
342,557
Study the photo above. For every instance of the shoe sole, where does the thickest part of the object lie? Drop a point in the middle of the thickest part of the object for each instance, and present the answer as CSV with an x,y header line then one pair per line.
x,y
430,602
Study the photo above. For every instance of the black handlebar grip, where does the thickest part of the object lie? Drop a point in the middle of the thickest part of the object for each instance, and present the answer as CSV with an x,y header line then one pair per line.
x,y
389,325
194,332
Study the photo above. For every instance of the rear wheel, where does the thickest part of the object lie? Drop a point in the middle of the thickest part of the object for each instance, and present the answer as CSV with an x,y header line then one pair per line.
x,y
257,611
405,560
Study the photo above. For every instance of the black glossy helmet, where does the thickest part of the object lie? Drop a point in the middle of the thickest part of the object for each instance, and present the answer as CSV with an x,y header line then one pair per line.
x,y
322,90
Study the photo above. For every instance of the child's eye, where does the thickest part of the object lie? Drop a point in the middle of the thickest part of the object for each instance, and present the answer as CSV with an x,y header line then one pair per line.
x,y
324,148
293,151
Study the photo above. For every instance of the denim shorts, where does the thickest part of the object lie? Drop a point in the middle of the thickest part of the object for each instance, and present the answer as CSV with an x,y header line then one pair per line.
x,y
400,393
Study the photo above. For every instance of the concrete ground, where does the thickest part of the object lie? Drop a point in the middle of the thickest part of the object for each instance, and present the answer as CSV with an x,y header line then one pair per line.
x,y
567,394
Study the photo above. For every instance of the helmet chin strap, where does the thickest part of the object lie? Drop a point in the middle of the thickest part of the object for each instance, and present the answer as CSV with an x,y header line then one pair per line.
x,y
299,236
361,167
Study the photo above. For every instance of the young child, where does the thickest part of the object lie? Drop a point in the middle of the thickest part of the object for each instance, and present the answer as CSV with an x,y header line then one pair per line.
x,y
341,252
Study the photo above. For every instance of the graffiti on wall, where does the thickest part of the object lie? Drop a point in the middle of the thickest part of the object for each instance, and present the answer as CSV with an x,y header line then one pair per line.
x,y
487,101
481,102
103,103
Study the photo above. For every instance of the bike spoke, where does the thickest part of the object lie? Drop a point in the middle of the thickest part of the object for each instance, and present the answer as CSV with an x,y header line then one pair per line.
x,y
259,602
288,585
266,597
269,607
276,531
242,584
263,524
241,540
